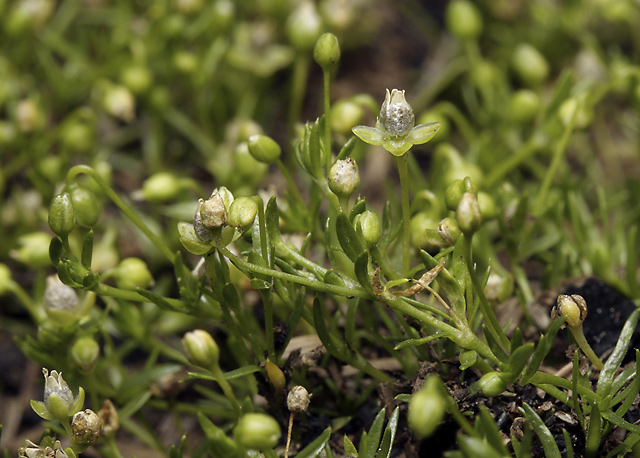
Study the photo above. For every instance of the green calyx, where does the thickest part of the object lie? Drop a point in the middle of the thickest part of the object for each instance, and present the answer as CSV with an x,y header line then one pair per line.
x,y
264,148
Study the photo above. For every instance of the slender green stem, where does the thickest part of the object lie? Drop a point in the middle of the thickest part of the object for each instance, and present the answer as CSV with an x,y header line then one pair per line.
x,y
293,189
226,388
403,172
37,313
558,154
351,290
326,74
298,88
585,347
485,307
128,295
122,205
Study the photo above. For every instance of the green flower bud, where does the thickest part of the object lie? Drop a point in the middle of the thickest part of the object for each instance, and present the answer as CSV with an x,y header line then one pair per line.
x,y
132,273
5,279
420,222
468,214
454,192
264,148
344,177
137,78
304,26
578,105
29,116
161,187
86,427
33,250
524,105
62,216
327,51
427,408
369,224
86,205
85,352
119,103
491,384
345,115
488,208
247,166
200,348
185,62
574,307
530,65
242,212
463,20
78,136
257,431
449,165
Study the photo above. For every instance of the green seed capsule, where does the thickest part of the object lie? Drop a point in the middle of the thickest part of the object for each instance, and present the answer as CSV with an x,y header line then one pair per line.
x,y
257,431
491,384
242,213
132,273
85,352
370,225
468,214
85,203
530,65
427,408
304,26
344,177
161,187
327,51
264,148
463,20
62,216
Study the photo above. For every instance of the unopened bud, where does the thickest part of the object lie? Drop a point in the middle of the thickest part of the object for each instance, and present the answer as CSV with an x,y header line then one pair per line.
x,y
449,231
304,26
369,223
86,427
574,307
161,187
529,64
28,116
200,348
264,148
86,205
298,399
344,177
468,214
463,20
427,408
85,352
242,213
327,51
345,115
524,105
136,78
62,216
454,192
119,102
275,376
132,273
257,431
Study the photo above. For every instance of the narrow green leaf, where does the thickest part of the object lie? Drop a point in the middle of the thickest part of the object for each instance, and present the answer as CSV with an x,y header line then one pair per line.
x,y
336,349
359,207
467,359
56,250
315,152
594,432
373,436
349,448
544,345
422,341
494,345
314,448
389,435
547,440
615,359
87,250
567,443
361,269
347,149
134,405
158,300
491,430
352,245
518,360
516,340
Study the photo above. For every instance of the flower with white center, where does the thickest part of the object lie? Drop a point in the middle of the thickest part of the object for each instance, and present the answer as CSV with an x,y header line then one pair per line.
x,y
59,403
395,128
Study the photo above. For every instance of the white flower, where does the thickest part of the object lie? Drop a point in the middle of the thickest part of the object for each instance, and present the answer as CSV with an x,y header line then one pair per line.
x,y
59,403
395,129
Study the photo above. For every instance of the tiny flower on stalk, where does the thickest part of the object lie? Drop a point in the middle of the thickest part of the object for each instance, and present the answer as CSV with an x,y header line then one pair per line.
x,y
395,128
59,403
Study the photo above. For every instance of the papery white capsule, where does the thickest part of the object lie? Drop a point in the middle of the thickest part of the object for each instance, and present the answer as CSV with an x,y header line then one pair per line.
x,y
396,115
